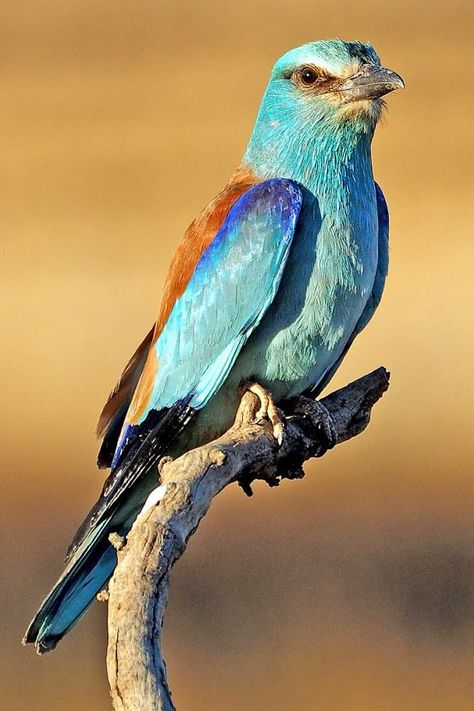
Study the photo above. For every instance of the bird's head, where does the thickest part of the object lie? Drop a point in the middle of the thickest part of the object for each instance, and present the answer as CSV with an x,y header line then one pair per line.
x,y
337,80
323,91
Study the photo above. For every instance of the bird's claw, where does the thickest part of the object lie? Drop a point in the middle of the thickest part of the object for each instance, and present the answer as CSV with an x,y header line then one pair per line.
x,y
267,410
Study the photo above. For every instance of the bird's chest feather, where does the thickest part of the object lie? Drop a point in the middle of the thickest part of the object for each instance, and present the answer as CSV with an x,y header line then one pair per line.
x,y
327,281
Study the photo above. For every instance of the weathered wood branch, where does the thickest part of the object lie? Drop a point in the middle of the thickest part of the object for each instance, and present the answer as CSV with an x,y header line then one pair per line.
x,y
138,591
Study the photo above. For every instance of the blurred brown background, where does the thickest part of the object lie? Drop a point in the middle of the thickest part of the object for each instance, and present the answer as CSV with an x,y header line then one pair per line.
x,y
352,590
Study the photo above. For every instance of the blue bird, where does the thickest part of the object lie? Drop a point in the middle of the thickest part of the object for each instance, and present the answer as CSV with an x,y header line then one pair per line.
x,y
270,285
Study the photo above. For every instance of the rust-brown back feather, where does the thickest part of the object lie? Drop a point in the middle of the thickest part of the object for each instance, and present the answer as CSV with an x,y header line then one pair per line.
x,y
195,241
125,387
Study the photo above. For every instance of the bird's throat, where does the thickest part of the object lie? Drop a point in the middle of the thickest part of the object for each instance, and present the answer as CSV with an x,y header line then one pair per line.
x,y
324,160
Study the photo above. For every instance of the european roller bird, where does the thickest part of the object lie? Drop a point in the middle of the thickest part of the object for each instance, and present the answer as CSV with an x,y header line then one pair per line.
x,y
269,287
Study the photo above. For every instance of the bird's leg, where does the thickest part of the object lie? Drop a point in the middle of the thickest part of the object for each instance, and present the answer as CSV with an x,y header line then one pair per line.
x,y
313,409
260,408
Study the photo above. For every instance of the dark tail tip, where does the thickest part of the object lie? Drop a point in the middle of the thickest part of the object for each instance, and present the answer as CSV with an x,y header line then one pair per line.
x,y
32,636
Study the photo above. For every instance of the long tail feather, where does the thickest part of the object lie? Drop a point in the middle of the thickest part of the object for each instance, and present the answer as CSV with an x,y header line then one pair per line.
x,y
85,575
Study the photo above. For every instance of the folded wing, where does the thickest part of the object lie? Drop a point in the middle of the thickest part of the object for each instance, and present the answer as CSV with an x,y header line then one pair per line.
x,y
233,283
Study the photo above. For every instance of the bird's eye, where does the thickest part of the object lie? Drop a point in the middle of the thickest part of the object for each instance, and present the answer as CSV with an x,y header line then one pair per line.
x,y
308,76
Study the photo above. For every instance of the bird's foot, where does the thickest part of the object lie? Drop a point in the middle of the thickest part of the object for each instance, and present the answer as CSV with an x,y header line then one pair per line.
x,y
315,410
259,408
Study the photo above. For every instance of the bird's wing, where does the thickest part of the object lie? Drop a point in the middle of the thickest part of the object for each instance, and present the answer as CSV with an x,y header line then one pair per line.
x,y
196,239
231,287
377,289
115,409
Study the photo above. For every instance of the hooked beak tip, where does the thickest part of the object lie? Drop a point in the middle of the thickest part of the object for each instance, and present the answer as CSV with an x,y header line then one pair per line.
x,y
372,82
400,84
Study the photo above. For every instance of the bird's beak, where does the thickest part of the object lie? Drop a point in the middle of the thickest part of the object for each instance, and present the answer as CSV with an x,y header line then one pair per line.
x,y
370,82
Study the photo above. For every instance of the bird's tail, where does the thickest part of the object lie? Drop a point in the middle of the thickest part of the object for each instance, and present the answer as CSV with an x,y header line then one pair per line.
x,y
85,575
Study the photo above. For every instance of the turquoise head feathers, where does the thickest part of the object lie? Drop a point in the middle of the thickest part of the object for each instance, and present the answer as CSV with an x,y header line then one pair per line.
x,y
322,97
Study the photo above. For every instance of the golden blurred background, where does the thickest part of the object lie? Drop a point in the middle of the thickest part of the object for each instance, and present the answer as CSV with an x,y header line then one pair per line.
x,y
352,590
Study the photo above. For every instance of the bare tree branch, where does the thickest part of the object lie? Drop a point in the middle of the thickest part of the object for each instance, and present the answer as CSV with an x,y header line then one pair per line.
x,y
138,591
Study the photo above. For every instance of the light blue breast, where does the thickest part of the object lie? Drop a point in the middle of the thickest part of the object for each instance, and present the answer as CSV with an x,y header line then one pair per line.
x,y
326,284
328,278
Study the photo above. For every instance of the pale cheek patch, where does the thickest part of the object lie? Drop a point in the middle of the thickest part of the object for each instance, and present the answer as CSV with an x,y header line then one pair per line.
x,y
359,109
154,498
